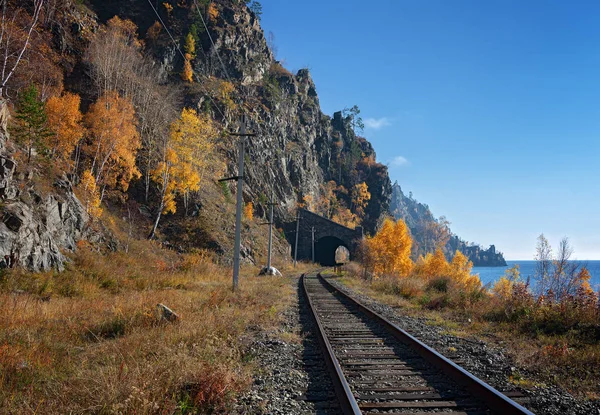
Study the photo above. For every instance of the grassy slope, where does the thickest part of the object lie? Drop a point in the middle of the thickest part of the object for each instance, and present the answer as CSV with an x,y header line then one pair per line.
x,y
90,339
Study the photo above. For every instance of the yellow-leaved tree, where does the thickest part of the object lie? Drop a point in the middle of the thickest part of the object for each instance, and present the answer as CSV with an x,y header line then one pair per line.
x,y
432,265
65,122
360,199
389,250
460,271
114,142
190,45
193,138
213,12
503,288
90,195
189,155
188,73
190,52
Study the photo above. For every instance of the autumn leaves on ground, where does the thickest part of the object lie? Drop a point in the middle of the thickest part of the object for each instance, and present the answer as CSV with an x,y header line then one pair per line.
x,y
550,323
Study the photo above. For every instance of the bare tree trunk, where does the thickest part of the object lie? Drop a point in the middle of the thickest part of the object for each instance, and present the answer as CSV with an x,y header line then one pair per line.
x,y
38,4
158,215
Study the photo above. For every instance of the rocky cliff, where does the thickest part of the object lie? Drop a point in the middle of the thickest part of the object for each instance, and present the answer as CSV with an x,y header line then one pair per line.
x,y
296,149
296,144
427,231
36,227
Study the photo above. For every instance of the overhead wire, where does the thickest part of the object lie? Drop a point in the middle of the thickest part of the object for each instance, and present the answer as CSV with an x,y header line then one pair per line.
x,y
212,42
214,46
182,54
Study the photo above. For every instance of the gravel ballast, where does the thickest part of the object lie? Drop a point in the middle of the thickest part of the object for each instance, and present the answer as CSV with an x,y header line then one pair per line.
x,y
489,363
292,377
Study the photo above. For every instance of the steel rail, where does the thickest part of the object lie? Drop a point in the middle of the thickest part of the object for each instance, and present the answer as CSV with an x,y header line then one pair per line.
x,y
343,392
495,400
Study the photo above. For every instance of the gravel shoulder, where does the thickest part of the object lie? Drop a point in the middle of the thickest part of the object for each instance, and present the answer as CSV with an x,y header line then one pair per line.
x,y
291,375
488,362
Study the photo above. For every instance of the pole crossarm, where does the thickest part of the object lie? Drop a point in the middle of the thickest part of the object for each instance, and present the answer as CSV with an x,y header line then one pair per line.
x,y
230,179
243,134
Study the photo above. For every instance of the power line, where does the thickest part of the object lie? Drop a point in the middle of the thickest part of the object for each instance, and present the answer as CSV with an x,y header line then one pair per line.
x,y
211,41
216,51
182,55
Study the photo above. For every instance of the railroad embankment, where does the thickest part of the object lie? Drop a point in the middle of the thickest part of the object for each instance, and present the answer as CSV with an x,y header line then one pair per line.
x,y
556,371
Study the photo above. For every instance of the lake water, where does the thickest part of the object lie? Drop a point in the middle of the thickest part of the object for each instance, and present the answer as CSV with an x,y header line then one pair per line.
x,y
527,268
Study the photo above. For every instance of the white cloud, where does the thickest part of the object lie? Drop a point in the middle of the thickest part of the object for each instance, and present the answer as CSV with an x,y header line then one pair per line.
x,y
377,123
399,161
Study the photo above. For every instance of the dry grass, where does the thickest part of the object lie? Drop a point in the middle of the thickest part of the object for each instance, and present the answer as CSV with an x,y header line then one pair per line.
x,y
89,340
560,343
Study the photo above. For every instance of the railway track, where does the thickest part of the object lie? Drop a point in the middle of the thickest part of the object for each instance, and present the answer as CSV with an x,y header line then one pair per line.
x,y
377,368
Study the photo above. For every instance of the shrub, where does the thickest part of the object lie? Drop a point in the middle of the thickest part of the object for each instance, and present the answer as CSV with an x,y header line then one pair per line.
x,y
439,284
405,287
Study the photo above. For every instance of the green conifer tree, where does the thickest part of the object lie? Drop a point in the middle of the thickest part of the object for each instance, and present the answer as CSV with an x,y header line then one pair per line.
x,y
31,121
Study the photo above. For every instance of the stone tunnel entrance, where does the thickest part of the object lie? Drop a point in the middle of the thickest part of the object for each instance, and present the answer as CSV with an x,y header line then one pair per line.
x,y
326,249
328,237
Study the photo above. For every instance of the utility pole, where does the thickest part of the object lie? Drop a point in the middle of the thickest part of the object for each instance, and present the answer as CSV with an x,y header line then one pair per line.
x,y
270,230
313,244
297,232
238,213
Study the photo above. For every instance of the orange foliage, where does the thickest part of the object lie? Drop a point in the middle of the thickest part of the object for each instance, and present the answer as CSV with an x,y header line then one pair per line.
x,y
114,141
345,217
125,30
458,270
188,73
388,252
360,198
249,211
213,12
65,121
432,265
39,63
154,31
307,203
585,294
168,8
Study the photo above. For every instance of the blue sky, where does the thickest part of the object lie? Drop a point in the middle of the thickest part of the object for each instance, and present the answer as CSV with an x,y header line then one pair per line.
x,y
487,110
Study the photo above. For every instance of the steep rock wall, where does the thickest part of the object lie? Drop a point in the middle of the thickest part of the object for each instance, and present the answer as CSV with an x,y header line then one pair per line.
x,y
35,230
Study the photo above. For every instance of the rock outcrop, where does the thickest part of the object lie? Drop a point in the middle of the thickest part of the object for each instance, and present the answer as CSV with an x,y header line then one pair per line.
x,y
35,230
293,151
419,219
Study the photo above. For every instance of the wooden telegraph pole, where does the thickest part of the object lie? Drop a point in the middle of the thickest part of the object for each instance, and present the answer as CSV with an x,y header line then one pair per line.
x,y
238,213
297,232
313,243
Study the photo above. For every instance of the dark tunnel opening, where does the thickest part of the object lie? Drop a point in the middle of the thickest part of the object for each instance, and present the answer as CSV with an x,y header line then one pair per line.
x,y
325,250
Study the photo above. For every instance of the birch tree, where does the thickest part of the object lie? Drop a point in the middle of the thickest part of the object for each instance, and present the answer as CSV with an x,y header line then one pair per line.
x,y
14,39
